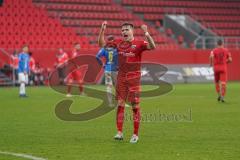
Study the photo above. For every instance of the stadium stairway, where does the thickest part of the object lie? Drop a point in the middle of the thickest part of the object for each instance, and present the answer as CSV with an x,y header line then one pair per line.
x,y
222,17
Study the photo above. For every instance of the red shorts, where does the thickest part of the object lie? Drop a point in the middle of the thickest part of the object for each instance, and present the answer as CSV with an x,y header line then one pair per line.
x,y
128,88
220,75
75,76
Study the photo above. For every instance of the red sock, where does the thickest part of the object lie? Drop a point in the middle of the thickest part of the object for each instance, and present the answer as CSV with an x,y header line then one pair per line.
x,y
69,88
223,90
120,118
217,86
136,119
80,88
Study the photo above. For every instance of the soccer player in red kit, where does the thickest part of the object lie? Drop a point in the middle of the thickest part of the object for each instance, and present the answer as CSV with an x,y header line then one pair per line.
x,y
219,58
14,64
32,69
128,80
61,61
77,75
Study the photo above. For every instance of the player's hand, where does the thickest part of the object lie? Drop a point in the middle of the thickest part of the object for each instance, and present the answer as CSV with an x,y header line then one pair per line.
x,y
104,25
144,28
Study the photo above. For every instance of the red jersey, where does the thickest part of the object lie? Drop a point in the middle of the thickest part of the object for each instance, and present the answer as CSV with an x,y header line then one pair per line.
x,y
14,61
220,56
32,64
130,55
61,59
76,74
75,53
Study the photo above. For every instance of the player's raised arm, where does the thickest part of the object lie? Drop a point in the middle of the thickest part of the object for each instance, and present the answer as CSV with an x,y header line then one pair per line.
x,y
211,58
101,41
151,43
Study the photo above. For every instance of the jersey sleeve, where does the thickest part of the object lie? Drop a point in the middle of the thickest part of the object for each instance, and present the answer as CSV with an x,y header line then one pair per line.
x,y
67,57
100,54
144,45
32,67
20,57
228,53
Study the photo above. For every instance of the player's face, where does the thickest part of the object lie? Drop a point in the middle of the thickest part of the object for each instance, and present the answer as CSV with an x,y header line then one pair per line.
x,y
25,49
77,47
60,50
127,33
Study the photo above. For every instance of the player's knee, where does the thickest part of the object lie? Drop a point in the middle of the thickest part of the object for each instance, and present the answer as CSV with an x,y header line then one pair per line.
x,y
223,83
109,89
135,105
121,103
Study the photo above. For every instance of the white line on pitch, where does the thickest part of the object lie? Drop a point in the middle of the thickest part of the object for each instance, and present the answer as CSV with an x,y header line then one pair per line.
x,y
22,155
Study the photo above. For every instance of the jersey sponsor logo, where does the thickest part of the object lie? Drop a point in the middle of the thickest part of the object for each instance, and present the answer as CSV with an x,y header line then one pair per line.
x,y
127,54
110,57
198,71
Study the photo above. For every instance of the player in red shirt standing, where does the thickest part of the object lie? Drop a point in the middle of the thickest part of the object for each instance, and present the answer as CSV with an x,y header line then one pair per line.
x,y
76,75
14,64
128,80
61,61
32,69
219,58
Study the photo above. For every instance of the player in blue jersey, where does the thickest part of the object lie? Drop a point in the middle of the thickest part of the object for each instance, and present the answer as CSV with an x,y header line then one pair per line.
x,y
23,70
109,53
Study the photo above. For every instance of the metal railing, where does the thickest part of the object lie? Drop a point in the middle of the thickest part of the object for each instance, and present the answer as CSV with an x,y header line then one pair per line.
x,y
5,53
204,42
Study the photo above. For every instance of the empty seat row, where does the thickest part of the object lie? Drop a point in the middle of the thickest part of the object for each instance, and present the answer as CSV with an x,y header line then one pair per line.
x,y
96,23
180,4
107,8
117,30
220,18
43,45
224,25
153,16
190,10
227,32
89,15
76,1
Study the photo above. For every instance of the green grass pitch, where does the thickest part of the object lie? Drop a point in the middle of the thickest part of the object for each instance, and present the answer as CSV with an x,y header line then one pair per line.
x,y
30,126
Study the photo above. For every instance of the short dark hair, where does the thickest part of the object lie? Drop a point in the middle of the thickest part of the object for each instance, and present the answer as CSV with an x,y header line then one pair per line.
x,y
110,38
128,24
219,42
